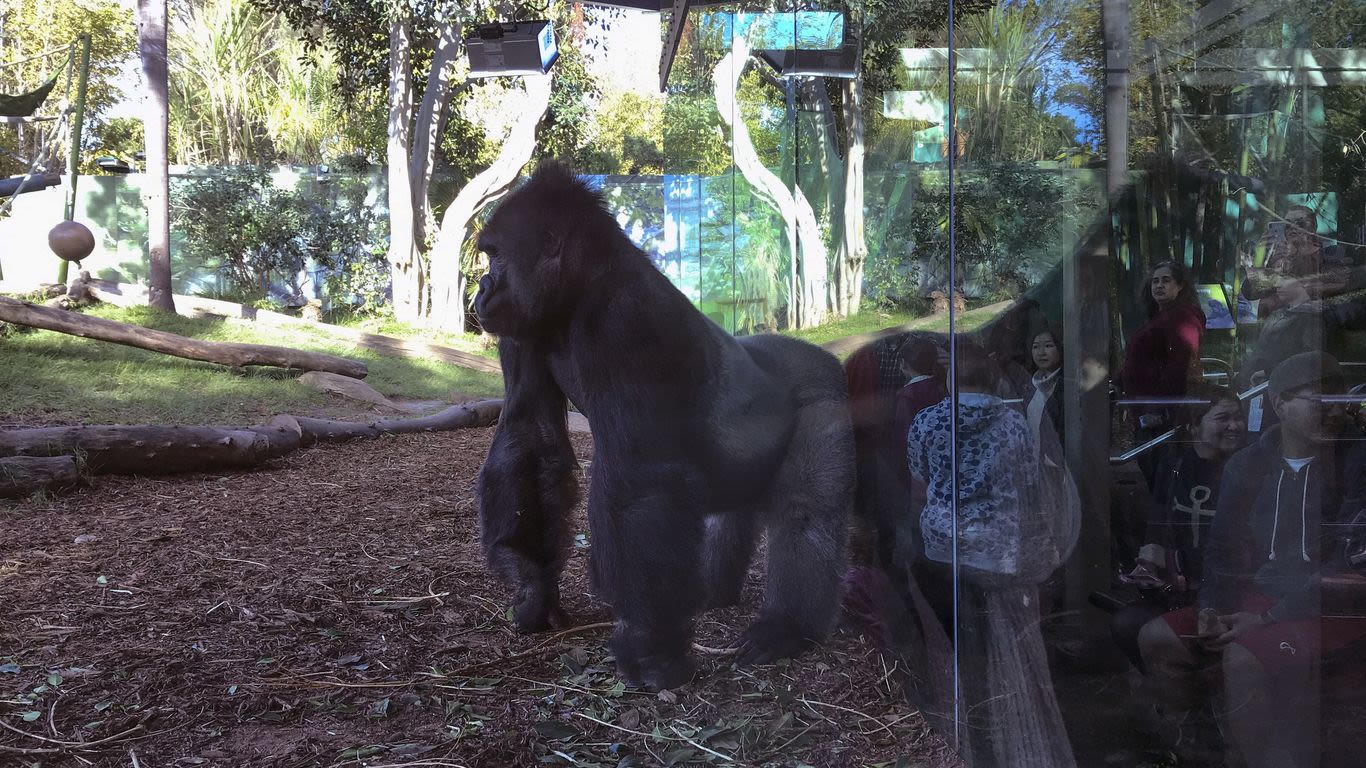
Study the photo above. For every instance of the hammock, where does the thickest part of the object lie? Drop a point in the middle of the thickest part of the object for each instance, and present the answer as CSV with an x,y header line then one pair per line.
x,y
20,107
40,166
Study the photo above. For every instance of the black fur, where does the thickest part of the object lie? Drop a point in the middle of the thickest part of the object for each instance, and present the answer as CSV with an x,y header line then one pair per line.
x,y
700,440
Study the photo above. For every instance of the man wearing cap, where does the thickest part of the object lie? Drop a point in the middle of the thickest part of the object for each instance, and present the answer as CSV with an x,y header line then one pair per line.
x,y
1259,613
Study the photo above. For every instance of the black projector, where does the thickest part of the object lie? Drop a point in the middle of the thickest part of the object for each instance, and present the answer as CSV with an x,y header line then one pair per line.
x,y
505,49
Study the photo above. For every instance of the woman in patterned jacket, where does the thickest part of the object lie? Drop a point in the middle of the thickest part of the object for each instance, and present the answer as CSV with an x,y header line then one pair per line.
x,y
1005,539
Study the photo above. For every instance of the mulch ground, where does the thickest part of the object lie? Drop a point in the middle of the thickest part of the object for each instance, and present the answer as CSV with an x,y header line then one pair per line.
x,y
333,610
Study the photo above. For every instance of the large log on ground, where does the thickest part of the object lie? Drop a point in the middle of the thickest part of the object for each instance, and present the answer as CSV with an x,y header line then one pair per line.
x,y
480,414
142,450
22,476
130,295
224,353
154,450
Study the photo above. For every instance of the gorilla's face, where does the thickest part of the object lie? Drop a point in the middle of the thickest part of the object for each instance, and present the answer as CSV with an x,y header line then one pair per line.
x,y
519,289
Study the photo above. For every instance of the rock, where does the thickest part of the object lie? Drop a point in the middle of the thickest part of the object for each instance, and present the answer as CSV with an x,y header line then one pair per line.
x,y
347,387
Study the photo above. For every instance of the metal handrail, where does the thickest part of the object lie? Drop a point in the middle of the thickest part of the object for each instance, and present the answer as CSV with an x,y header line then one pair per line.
x,y
1352,396
1136,451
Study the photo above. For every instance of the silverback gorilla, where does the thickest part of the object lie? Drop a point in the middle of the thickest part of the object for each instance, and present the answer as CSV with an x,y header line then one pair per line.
x,y
699,439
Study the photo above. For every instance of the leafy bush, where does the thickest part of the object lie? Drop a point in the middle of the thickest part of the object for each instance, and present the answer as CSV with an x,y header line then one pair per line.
x,y
1009,220
262,240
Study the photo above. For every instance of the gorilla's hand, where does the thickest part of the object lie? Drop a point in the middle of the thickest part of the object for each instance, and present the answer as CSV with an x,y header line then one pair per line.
x,y
650,658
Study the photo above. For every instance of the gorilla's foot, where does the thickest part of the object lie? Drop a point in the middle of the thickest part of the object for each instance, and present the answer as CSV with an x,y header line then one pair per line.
x,y
653,661
770,639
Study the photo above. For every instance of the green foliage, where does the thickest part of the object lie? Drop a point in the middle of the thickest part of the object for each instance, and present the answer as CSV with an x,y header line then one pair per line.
x,y
243,225
566,125
29,27
242,90
120,137
255,235
627,133
1009,219
695,138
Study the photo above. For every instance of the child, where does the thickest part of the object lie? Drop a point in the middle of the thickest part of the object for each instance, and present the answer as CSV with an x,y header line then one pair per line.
x,y
924,383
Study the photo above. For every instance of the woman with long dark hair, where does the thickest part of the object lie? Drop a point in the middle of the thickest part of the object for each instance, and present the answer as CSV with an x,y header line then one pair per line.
x,y
1162,357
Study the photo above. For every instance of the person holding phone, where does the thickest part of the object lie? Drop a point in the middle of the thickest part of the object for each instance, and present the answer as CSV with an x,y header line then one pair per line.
x,y
1293,250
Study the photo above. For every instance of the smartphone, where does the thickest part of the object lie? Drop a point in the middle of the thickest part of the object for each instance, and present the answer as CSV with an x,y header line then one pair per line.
x,y
1276,233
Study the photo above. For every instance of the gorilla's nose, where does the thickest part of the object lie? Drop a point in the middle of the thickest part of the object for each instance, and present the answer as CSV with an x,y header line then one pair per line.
x,y
480,298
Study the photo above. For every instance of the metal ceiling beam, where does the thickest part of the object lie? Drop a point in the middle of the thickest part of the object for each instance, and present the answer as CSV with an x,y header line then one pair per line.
x,y
671,38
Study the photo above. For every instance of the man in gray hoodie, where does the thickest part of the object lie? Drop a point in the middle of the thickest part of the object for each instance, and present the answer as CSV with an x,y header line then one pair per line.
x,y
1273,537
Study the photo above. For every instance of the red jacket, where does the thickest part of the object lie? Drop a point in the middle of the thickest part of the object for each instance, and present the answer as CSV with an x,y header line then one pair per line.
x,y
1163,356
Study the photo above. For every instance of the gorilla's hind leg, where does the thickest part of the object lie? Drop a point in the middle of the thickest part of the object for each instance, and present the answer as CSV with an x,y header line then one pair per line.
x,y
806,528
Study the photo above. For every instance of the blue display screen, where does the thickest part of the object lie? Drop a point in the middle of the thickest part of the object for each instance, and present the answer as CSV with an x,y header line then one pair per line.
x,y
784,31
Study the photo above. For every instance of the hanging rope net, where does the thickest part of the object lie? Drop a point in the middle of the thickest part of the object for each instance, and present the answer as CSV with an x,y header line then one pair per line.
x,y
37,112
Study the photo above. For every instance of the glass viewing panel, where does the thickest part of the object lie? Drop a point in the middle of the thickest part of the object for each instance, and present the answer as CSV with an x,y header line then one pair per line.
x,y
1113,482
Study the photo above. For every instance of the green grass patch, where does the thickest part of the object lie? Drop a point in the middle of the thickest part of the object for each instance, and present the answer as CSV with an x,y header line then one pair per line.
x,y
388,326
867,321
876,320
57,378
965,323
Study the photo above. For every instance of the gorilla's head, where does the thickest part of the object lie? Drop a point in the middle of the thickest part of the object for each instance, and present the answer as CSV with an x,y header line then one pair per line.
x,y
537,242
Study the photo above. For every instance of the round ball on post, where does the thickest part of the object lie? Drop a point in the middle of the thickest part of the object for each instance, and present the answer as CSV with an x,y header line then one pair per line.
x,y
71,240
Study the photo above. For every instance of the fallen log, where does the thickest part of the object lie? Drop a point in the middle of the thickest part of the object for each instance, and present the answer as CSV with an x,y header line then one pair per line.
x,y
157,450
144,449
23,476
480,414
131,295
221,352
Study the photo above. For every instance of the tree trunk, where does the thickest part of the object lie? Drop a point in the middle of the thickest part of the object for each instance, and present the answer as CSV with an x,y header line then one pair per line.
x,y
22,476
431,123
404,268
854,254
225,353
817,97
159,450
448,286
810,255
155,124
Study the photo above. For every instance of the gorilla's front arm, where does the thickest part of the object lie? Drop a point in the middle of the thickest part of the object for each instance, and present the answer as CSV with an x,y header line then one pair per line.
x,y
527,488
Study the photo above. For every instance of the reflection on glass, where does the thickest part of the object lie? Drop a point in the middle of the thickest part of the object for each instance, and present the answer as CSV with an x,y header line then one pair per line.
x,y
1121,511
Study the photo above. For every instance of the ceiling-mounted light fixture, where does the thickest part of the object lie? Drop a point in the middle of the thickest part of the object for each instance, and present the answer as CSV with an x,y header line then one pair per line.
x,y
505,49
